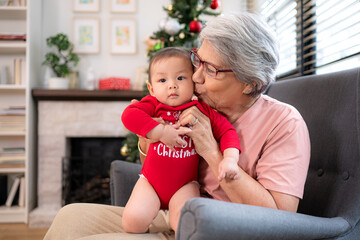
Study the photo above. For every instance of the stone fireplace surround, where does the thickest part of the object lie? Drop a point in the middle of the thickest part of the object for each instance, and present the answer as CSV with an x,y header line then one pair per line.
x,y
57,121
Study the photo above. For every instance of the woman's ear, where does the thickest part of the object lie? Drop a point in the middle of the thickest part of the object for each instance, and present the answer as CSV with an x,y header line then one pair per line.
x,y
150,88
247,89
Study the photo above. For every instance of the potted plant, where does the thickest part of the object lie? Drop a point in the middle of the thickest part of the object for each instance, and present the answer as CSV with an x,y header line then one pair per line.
x,y
60,61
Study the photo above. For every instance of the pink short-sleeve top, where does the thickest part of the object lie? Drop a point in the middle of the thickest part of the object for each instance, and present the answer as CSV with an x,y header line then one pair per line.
x,y
275,149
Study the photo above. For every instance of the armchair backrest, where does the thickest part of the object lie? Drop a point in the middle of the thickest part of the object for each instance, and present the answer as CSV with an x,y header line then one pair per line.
x,y
330,106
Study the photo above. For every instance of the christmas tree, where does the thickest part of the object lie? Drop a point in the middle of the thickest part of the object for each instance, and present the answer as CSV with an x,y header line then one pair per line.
x,y
180,29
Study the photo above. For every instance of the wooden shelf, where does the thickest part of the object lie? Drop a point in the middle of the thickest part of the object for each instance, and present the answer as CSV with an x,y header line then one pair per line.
x,y
12,133
12,170
13,8
85,95
12,214
12,88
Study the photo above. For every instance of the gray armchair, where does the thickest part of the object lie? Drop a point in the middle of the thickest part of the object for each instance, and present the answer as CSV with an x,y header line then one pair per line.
x,y
330,105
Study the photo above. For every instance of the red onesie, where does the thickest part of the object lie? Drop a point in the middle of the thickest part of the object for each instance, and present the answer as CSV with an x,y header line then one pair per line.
x,y
167,171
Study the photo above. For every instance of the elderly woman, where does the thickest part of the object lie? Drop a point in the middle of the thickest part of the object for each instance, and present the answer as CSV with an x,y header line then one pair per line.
x,y
234,65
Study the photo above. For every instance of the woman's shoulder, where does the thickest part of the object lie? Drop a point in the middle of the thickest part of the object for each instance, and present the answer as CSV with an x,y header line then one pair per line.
x,y
273,106
269,111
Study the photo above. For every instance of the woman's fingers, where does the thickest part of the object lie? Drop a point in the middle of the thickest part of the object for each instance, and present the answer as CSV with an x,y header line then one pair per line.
x,y
184,130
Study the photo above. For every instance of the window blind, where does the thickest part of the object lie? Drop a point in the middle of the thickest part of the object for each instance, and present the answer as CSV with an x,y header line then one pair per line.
x,y
314,35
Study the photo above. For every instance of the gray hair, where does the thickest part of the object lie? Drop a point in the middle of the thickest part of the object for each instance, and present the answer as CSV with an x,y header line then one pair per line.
x,y
247,45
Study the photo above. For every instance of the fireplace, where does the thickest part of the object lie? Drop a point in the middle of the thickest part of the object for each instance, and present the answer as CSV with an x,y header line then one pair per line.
x,y
59,123
85,175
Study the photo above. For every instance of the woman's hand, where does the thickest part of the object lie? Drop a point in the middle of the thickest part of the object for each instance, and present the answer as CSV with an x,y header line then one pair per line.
x,y
201,133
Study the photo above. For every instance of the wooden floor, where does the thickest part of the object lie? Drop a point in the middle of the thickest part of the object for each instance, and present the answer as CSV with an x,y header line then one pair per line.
x,y
20,231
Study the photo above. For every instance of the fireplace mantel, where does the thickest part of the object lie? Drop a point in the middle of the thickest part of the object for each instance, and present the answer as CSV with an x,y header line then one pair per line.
x,y
85,95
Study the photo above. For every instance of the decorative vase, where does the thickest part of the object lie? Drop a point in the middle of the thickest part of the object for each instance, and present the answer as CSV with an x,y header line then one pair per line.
x,y
58,83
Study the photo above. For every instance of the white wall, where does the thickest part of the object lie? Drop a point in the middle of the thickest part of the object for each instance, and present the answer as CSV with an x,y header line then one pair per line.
x,y
58,16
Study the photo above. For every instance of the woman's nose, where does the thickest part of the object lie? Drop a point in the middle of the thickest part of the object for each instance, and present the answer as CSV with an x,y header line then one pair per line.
x,y
198,76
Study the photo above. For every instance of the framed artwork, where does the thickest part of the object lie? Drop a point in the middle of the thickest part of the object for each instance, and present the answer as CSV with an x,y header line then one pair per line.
x,y
86,6
86,36
123,6
122,36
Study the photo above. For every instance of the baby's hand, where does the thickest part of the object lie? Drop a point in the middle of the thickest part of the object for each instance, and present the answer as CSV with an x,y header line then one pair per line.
x,y
171,137
228,169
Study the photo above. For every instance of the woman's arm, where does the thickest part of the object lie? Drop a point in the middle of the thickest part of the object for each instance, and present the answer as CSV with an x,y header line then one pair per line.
x,y
245,189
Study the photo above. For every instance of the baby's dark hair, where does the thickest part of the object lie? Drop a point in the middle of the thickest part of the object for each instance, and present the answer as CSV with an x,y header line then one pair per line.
x,y
167,53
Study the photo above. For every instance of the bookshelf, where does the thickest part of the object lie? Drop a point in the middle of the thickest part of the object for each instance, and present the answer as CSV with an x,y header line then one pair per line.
x,y
19,64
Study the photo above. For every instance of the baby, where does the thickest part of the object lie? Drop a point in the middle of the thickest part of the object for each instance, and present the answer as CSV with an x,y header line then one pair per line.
x,y
170,171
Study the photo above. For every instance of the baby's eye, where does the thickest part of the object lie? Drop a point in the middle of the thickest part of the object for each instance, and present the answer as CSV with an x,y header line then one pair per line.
x,y
181,78
162,80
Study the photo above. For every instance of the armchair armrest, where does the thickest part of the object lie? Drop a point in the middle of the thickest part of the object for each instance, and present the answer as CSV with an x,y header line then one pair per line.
x,y
123,176
211,219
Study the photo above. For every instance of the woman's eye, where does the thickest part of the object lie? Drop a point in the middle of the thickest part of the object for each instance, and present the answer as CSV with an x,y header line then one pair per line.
x,y
210,69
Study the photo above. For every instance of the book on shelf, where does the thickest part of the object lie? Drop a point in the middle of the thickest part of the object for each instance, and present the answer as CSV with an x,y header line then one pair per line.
x,y
12,157
17,71
12,119
12,36
12,165
22,192
12,151
12,110
13,191
23,79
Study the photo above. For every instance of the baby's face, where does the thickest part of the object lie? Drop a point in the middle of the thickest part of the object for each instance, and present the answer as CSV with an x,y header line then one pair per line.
x,y
171,81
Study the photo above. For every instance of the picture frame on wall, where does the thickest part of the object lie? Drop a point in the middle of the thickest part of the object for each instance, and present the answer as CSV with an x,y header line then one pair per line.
x,y
86,35
86,6
123,6
122,36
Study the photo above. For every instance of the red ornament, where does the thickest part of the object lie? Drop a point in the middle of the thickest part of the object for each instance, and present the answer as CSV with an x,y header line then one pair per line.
x,y
195,26
214,4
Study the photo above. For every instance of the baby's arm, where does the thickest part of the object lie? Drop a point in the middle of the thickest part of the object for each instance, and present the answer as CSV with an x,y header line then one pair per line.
x,y
168,135
228,167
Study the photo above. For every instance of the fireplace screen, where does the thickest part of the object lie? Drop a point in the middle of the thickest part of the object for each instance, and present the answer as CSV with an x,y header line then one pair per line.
x,y
86,170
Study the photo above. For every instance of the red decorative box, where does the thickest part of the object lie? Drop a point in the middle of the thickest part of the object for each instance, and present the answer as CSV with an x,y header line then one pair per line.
x,y
114,83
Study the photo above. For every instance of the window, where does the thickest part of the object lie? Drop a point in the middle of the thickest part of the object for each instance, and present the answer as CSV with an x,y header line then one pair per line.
x,y
315,36
281,16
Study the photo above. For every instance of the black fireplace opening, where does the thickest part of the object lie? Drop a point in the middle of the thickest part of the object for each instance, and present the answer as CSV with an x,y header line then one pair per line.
x,y
86,169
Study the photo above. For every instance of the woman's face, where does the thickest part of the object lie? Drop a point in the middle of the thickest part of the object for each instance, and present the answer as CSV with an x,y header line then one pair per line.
x,y
220,92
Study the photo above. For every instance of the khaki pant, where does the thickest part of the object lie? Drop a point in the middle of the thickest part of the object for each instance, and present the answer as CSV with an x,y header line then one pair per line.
x,y
84,221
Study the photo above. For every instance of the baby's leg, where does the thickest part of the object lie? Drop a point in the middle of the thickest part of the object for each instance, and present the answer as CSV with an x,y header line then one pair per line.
x,y
178,200
142,207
